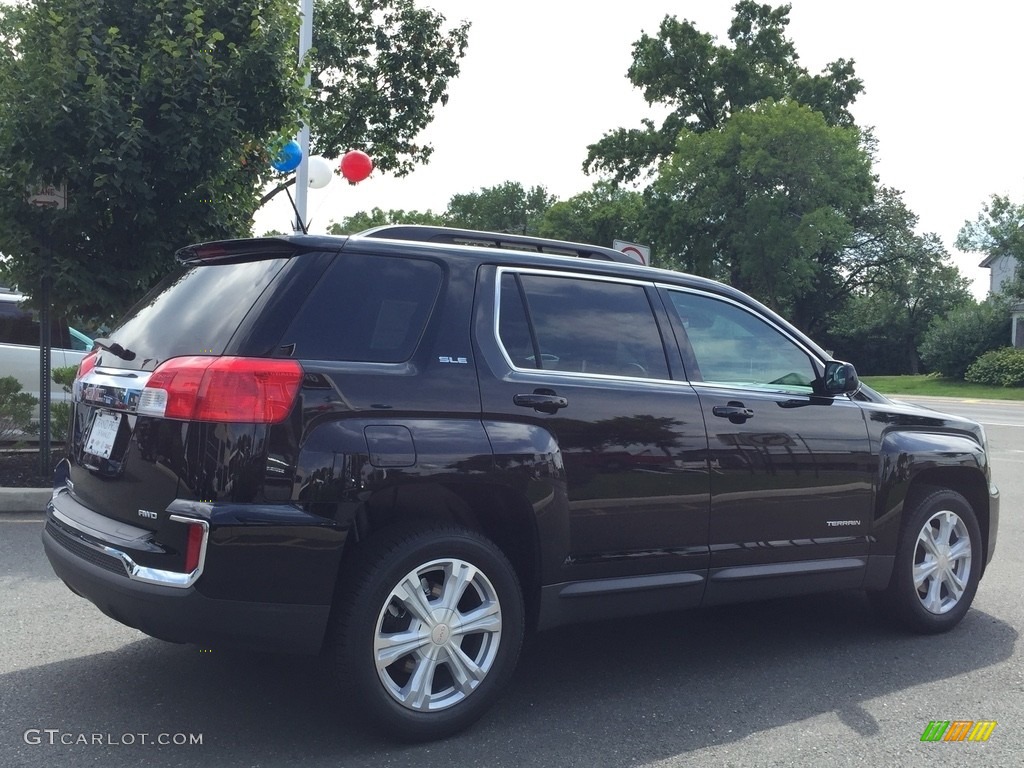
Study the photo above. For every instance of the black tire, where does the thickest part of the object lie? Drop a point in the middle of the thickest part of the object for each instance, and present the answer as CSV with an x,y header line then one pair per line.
x,y
462,637
938,564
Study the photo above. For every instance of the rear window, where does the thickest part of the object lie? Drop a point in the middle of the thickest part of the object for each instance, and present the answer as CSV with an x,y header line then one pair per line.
x,y
366,309
194,311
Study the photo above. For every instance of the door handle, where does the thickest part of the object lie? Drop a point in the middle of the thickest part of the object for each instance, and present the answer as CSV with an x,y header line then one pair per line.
x,y
734,411
545,402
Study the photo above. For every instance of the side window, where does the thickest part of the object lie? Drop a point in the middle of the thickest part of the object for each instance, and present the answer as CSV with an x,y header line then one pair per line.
x,y
733,346
17,326
367,309
578,325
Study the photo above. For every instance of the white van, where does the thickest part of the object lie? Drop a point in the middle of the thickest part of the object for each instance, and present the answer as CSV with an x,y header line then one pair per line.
x,y
19,345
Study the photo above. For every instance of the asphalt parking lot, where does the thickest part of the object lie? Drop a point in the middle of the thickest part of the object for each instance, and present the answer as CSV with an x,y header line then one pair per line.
x,y
801,682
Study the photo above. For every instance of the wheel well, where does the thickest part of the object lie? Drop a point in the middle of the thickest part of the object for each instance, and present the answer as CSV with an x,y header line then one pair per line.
x,y
969,483
497,512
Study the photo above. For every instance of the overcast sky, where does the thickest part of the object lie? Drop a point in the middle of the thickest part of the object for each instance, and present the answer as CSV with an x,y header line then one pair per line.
x,y
542,79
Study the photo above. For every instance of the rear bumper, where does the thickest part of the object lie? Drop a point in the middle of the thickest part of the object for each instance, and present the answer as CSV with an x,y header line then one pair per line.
x,y
175,613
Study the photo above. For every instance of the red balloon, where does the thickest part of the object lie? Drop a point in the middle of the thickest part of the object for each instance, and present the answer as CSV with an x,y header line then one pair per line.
x,y
356,165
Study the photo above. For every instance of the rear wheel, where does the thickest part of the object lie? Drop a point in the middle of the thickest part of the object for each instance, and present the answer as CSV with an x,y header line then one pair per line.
x,y
938,564
430,631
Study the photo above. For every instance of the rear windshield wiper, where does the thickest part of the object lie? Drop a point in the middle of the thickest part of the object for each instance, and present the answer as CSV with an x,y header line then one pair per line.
x,y
114,349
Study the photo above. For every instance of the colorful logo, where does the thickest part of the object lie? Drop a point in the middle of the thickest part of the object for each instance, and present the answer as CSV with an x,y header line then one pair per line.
x,y
959,730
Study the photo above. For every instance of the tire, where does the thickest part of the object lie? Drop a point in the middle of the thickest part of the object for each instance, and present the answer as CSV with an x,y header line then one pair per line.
x,y
938,565
429,625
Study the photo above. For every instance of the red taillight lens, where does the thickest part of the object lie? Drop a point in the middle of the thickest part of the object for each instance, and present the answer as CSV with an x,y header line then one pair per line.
x,y
194,546
224,389
87,364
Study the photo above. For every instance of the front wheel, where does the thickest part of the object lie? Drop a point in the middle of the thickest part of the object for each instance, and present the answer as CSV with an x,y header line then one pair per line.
x,y
430,631
938,564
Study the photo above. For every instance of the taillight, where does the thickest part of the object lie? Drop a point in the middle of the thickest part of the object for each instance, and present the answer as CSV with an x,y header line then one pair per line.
x,y
195,542
194,547
224,389
87,364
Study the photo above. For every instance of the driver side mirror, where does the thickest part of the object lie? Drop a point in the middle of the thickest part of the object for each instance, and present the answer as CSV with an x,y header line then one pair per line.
x,y
839,379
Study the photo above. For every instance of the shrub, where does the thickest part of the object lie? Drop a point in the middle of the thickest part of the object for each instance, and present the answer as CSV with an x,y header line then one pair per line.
x,y
953,342
1000,367
15,409
60,414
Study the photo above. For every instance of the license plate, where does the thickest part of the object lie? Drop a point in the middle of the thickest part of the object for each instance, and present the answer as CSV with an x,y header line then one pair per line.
x,y
103,433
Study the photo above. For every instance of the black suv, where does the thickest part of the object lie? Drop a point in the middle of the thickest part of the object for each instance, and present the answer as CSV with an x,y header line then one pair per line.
x,y
406,447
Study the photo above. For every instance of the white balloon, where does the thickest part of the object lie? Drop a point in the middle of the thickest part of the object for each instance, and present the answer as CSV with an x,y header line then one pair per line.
x,y
320,172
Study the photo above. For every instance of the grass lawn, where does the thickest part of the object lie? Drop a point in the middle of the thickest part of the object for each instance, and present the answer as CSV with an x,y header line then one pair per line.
x,y
929,385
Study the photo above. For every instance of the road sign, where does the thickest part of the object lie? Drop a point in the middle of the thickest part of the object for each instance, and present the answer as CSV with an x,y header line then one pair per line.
x,y
641,252
49,196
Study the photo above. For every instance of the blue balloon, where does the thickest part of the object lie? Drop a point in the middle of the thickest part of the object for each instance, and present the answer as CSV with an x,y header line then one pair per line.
x,y
288,158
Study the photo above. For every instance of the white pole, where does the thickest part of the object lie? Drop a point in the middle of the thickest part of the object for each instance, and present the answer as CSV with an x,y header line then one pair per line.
x,y
302,174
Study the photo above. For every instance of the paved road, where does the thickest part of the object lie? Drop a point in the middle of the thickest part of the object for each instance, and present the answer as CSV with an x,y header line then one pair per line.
x,y
808,682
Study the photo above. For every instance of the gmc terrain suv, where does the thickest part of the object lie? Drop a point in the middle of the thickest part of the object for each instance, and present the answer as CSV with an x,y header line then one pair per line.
x,y
404,448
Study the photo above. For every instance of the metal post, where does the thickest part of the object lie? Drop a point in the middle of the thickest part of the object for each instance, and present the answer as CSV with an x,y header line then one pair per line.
x,y
44,369
302,174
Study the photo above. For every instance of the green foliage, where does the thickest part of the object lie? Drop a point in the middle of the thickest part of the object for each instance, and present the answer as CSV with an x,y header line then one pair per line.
x,y
377,217
162,115
998,367
600,215
885,320
15,408
767,203
60,413
998,231
379,68
703,83
157,114
956,340
507,207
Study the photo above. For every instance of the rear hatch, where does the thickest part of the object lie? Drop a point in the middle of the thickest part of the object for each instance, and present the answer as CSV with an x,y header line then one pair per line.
x,y
137,432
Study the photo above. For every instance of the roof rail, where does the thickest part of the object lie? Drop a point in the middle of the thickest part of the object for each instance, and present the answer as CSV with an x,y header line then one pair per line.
x,y
453,236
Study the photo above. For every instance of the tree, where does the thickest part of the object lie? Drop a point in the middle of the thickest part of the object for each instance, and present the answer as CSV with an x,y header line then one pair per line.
x,y
886,320
997,231
379,68
956,340
507,207
377,217
162,116
600,215
704,83
156,114
767,203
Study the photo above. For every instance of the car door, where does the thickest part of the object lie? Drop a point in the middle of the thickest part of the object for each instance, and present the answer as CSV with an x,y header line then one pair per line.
x,y
791,471
573,369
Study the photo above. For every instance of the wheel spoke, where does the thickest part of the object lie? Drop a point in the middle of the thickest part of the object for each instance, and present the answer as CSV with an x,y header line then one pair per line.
x,y
933,599
417,692
954,584
457,581
960,550
410,594
485,618
924,571
466,673
392,647
945,533
927,540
